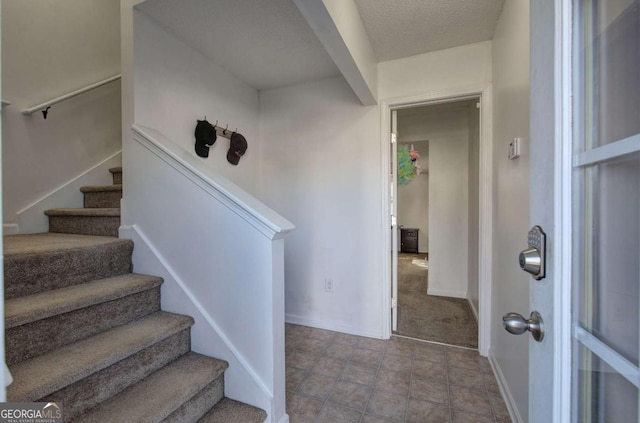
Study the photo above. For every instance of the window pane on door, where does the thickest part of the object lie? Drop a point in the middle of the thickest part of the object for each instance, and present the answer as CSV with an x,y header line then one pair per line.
x,y
605,395
609,51
609,295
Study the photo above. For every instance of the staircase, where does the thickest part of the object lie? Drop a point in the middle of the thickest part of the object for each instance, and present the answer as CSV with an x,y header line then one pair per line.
x,y
84,331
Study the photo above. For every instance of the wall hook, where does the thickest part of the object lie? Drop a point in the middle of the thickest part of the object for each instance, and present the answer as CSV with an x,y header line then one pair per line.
x,y
216,123
45,112
224,131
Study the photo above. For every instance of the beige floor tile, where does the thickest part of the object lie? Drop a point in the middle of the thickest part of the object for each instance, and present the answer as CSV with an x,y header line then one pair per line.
x,y
396,362
334,413
349,394
303,409
464,417
466,377
339,350
329,366
387,405
391,381
359,374
370,358
433,391
430,370
427,412
294,377
316,385
470,400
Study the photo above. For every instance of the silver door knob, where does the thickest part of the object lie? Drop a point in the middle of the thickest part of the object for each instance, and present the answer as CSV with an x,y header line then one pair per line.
x,y
516,324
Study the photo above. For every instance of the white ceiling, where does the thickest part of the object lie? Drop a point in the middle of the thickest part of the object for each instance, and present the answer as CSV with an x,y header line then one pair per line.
x,y
402,28
268,44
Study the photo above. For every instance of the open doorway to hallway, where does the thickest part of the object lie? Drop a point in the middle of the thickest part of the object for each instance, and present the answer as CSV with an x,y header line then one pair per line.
x,y
438,222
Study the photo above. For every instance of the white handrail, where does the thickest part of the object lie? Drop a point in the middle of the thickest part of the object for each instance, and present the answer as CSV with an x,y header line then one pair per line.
x,y
43,106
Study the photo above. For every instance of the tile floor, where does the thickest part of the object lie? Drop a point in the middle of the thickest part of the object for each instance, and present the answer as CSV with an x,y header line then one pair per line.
x,y
334,378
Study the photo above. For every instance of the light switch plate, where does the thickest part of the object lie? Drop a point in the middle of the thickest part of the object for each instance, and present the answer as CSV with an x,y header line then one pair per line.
x,y
514,148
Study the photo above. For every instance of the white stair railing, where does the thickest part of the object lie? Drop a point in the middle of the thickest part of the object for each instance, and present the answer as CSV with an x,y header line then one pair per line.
x,y
45,105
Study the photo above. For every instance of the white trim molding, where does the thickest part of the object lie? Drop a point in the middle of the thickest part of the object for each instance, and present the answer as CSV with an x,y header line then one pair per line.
x,y
267,221
484,93
447,293
563,222
332,325
473,309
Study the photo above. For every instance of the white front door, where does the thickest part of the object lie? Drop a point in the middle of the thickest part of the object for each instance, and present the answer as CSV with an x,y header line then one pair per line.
x,y
585,193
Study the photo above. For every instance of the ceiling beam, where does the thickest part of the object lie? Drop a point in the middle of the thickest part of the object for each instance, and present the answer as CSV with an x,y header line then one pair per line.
x,y
338,26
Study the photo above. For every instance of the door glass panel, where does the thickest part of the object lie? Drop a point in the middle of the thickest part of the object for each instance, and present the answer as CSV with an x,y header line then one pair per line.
x,y
609,397
608,52
606,208
608,304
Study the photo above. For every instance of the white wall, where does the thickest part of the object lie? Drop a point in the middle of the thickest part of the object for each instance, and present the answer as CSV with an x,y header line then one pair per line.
x,y
511,195
413,199
448,135
321,169
176,85
474,208
439,71
50,49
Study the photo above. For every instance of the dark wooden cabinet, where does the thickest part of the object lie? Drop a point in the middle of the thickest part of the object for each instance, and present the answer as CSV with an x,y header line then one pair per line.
x,y
409,240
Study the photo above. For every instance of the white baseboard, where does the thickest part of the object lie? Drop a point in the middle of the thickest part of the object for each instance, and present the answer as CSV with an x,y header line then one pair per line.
x,y
332,325
446,293
504,389
473,310
10,228
32,219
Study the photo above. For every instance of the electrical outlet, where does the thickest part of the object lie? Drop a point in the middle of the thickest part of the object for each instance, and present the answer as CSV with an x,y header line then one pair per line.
x,y
328,285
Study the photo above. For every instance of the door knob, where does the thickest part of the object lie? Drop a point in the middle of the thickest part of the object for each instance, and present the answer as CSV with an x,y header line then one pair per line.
x,y
516,324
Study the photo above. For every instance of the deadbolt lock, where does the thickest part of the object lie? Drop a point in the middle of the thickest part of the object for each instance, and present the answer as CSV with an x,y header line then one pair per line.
x,y
532,260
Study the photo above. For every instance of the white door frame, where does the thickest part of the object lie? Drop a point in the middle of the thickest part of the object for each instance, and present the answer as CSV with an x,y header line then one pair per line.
x,y
484,92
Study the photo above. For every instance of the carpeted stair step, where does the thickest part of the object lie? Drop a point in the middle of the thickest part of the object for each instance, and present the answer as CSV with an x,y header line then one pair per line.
x,y
39,323
40,262
230,411
102,196
116,173
90,371
183,391
100,222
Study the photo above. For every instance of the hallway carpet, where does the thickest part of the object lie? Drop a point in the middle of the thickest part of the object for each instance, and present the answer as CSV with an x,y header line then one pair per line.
x,y
429,317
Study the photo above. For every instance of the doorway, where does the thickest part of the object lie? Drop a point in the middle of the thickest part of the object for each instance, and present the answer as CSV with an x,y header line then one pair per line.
x,y
437,216
480,254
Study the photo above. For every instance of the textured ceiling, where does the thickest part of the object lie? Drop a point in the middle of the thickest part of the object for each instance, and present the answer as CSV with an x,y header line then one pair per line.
x,y
266,44
402,28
